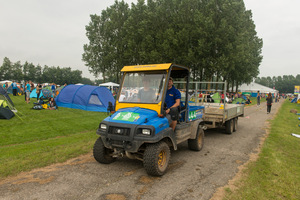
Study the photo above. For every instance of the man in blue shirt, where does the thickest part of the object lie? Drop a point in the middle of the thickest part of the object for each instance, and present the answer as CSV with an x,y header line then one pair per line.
x,y
14,87
28,92
172,100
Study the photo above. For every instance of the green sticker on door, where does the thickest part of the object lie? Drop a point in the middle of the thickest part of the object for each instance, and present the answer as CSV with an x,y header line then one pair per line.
x,y
192,115
127,116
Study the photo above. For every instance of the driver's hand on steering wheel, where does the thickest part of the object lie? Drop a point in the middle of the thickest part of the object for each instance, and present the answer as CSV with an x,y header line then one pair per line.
x,y
168,110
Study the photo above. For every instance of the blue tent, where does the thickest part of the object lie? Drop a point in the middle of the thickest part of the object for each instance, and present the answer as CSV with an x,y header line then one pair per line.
x,y
33,93
85,97
10,90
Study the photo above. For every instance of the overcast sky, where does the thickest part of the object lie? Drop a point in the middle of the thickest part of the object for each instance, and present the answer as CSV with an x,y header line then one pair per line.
x,y
53,32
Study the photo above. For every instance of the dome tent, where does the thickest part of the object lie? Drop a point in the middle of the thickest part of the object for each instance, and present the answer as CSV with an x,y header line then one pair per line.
x,y
85,97
33,93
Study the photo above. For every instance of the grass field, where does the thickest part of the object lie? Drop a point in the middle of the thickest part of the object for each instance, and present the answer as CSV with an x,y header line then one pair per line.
x,y
44,137
276,173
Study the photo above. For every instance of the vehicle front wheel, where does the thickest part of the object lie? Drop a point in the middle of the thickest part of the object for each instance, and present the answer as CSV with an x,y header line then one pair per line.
x,y
197,143
101,153
156,158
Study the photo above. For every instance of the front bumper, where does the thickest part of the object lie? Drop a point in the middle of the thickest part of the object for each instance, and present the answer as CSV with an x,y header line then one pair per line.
x,y
130,138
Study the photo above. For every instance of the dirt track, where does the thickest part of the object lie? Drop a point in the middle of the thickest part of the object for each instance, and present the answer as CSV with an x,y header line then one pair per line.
x,y
191,175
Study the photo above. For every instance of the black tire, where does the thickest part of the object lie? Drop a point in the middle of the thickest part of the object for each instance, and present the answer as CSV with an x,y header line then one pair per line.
x,y
229,126
235,124
197,143
156,158
101,153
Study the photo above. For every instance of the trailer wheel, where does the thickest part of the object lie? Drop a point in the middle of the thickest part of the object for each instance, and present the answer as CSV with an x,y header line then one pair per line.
x,y
235,124
101,153
197,143
229,126
156,158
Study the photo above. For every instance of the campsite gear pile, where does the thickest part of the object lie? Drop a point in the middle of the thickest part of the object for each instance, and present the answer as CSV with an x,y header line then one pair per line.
x,y
41,104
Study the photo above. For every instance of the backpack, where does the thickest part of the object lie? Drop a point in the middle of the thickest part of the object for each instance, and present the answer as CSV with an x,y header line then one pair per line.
x,y
37,107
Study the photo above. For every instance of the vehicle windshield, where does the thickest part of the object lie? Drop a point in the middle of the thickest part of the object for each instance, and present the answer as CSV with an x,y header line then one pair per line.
x,y
142,87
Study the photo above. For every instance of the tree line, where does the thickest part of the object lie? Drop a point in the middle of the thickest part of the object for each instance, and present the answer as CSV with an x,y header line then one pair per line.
x,y
215,38
284,84
28,71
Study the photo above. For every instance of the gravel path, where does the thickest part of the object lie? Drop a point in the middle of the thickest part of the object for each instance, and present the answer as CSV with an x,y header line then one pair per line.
x,y
190,176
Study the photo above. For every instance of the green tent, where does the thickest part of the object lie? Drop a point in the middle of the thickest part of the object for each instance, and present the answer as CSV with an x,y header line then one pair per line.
x,y
238,101
5,112
216,97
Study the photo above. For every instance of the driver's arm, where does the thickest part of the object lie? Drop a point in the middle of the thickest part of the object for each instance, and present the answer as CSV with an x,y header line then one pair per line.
x,y
176,104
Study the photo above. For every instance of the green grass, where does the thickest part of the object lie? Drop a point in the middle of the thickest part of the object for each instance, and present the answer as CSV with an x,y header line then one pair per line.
x,y
44,137
276,173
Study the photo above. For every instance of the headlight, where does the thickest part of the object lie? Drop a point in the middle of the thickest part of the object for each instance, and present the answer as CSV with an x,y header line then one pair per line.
x,y
103,126
146,131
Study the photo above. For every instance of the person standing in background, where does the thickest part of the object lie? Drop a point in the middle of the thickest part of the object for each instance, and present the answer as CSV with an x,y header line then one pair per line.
x,y
24,90
31,86
14,88
53,88
258,98
38,91
5,86
28,92
269,102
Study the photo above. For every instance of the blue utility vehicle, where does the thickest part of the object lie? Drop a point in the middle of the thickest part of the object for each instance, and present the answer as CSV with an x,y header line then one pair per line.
x,y
140,129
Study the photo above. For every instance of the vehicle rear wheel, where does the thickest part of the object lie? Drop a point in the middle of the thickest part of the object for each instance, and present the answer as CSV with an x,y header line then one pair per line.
x,y
235,124
156,158
197,143
229,126
101,153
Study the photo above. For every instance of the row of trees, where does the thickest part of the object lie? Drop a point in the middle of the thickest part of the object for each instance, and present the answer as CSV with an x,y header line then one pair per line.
x,y
284,84
215,38
28,71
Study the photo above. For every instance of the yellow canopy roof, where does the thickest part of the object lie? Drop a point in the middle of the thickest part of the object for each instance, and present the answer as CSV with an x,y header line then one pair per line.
x,y
146,67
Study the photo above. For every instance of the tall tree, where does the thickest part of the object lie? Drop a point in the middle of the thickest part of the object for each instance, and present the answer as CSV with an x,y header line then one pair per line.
x,y
107,47
6,69
216,38
17,74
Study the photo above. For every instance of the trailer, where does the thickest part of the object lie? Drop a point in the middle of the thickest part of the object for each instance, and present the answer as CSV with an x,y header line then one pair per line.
x,y
217,115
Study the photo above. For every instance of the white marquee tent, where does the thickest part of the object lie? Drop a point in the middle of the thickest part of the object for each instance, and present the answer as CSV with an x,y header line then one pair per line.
x,y
110,85
254,87
3,82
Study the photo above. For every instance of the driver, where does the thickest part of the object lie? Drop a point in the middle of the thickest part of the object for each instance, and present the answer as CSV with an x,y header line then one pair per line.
x,y
147,94
173,97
